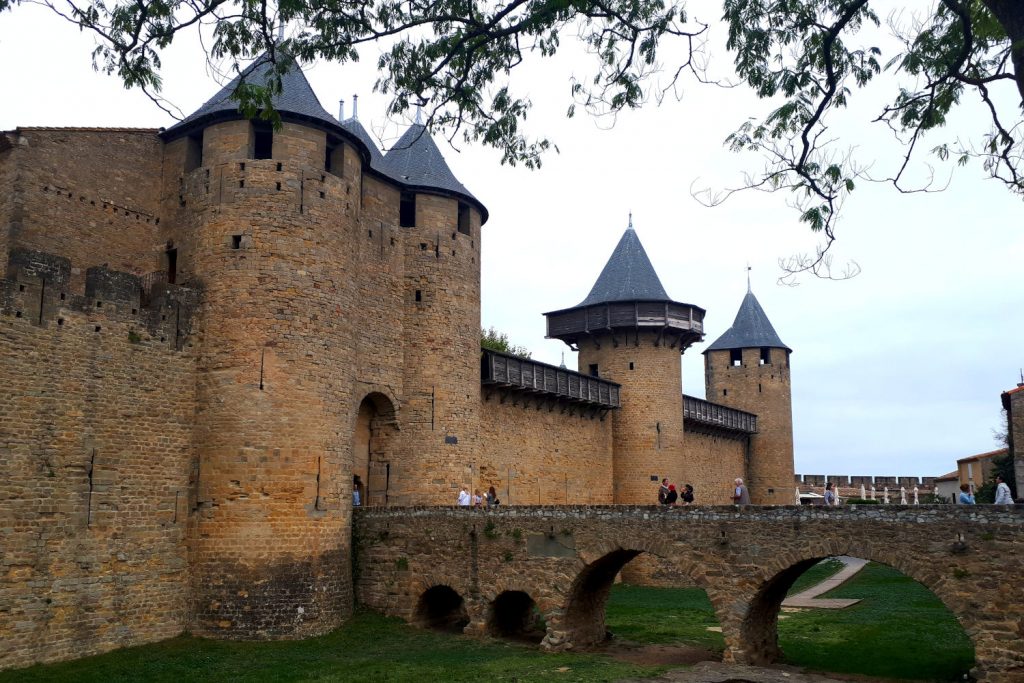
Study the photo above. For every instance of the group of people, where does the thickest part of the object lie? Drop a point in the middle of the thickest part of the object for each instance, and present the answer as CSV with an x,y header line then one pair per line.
x,y
667,494
490,499
1003,496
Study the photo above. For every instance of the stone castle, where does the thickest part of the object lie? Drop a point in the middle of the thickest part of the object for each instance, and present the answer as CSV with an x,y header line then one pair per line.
x,y
207,330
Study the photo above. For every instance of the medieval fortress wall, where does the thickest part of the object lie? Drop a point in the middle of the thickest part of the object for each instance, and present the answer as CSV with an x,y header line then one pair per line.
x,y
207,331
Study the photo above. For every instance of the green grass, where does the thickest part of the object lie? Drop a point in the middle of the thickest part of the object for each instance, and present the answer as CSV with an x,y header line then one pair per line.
x,y
662,615
900,629
815,575
368,648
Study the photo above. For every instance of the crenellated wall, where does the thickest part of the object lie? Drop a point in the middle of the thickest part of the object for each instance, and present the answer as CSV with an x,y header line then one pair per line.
x,y
96,416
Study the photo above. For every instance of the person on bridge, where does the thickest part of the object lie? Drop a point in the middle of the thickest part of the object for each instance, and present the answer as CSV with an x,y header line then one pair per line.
x,y
687,494
672,496
966,497
464,498
740,495
663,491
830,495
478,500
1003,496
492,498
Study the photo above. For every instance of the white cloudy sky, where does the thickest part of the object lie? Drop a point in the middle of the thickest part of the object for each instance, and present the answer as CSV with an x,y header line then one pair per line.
x,y
896,372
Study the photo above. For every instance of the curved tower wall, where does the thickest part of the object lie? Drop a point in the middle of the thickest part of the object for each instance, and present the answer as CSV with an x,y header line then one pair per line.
x,y
763,389
440,413
647,431
270,243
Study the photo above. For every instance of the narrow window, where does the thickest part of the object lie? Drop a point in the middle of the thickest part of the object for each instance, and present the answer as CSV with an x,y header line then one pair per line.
x,y
759,387
736,357
593,370
631,365
464,219
725,392
172,265
766,358
262,141
334,162
407,210
419,295
193,152
236,241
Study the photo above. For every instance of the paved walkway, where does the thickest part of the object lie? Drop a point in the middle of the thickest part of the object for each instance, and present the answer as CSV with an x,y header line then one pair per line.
x,y
809,597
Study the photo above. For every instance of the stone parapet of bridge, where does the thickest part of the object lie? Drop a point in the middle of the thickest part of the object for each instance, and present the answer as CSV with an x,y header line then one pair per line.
x,y
482,570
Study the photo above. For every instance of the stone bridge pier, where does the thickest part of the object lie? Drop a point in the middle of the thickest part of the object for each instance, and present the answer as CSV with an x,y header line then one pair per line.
x,y
498,572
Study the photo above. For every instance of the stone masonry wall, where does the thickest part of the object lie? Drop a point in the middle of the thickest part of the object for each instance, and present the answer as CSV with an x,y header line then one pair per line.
x,y
90,195
96,410
1015,427
542,456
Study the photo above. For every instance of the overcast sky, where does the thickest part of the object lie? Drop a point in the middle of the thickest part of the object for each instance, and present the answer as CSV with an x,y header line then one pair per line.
x,y
895,372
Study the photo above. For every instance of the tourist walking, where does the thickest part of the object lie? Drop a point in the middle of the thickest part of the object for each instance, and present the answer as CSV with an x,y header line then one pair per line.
x,y
672,496
740,495
687,495
478,499
1003,496
357,491
464,499
663,491
830,495
966,497
492,498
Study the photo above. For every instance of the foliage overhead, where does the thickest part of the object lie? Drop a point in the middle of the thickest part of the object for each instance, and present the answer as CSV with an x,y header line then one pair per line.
x,y
808,57
498,341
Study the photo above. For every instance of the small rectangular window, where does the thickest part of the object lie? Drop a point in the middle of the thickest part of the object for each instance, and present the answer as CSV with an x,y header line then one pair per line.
x,y
631,365
334,161
172,265
593,370
193,152
766,358
407,210
736,357
419,295
262,141
464,215
236,241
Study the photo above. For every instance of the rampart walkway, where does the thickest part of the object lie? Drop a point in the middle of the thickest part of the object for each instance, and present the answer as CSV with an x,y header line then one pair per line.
x,y
494,571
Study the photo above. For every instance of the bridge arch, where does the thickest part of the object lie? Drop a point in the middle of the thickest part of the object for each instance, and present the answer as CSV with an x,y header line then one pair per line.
x,y
441,608
514,614
757,639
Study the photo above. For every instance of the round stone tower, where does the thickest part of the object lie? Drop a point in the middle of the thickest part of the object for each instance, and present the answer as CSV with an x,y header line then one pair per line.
x,y
440,222
629,331
264,222
748,368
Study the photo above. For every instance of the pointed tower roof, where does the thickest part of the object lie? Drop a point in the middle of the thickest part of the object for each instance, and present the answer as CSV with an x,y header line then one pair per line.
x,y
353,126
628,296
416,161
627,276
750,329
296,99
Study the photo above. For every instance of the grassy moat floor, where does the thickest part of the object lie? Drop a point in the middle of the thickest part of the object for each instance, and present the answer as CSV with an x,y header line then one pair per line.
x,y
899,630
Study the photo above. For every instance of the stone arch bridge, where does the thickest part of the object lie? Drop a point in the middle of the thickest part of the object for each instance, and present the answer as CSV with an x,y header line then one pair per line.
x,y
494,571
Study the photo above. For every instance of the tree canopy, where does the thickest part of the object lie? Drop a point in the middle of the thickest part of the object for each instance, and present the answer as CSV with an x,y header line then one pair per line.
x,y
455,59
491,339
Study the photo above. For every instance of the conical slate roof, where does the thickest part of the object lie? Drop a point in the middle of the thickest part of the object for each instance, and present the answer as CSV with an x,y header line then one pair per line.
x,y
628,275
296,98
376,158
415,160
750,329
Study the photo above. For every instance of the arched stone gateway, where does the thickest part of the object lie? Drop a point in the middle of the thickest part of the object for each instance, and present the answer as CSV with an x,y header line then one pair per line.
x,y
373,445
746,558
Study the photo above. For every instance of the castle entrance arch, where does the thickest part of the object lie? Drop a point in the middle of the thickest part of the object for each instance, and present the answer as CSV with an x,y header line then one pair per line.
x,y
374,439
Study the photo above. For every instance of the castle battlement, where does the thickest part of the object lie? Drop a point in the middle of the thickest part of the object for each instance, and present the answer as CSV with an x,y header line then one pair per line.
x,y
38,289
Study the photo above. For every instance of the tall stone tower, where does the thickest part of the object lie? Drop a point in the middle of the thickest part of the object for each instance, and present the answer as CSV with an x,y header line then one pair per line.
x,y
440,221
263,222
748,368
629,331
